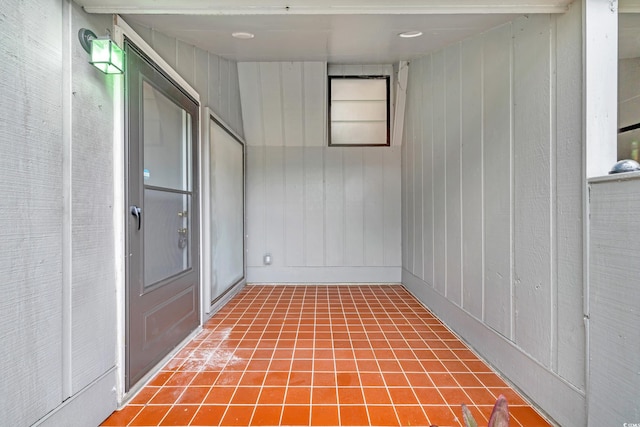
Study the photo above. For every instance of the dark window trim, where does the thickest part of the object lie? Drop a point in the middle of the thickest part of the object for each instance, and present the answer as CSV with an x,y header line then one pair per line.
x,y
388,84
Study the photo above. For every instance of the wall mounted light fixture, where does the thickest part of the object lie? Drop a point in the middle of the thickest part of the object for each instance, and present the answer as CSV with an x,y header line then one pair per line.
x,y
106,56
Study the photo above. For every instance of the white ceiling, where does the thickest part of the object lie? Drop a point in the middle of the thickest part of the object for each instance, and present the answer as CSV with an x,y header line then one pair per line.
x,y
332,38
339,31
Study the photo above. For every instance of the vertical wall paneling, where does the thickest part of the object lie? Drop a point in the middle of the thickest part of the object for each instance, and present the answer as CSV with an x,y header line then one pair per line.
x,y
166,47
58,312
471,165
314,227
251,99
294,209
354,206
185,63
67,207
334,208
276,185
214,83
293,104
569,170
145,32
30,261
498,188
272,118
235,114
406,196
439,174
533,251
224,92
426,118
315,113
409,166
373,208
614,293
325,214
416,137
553,213
214,78
497,167
58,308
256,216
201,75
392,207
453,171
92,246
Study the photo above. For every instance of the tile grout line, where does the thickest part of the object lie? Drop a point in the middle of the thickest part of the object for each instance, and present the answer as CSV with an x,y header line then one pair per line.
x,y
396,359
286,391
425,370
229,405
384,316
333,350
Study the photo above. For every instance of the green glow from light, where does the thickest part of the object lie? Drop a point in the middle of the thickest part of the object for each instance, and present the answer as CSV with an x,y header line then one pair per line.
x,y
106,56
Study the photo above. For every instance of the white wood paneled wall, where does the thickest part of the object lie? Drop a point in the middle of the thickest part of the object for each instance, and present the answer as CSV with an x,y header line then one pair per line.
x,y
213,77
32,182
614,295
58,313
492,200
323,214
58,305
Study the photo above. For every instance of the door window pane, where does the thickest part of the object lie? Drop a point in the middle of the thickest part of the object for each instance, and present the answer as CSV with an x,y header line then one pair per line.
x,y
167,234
167,142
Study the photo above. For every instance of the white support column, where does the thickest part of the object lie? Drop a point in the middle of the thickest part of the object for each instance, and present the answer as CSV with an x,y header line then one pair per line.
x,y
600,85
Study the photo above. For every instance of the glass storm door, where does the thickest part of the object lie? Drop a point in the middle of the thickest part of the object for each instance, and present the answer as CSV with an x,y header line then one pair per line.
x,y
162,228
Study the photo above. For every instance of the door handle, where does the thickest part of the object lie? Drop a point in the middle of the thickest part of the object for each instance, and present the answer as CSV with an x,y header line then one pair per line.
x,y
137,212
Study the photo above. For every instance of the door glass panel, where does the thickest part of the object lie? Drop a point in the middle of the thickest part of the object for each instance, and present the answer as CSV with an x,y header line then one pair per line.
x,y
167,145
167,234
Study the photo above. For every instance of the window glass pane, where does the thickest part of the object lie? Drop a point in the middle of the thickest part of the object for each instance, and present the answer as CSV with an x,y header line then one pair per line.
x,y
359,89
167,141
359,133
358,111
167,233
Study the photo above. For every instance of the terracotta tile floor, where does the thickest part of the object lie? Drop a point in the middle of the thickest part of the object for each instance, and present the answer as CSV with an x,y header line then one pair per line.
x,y
322,356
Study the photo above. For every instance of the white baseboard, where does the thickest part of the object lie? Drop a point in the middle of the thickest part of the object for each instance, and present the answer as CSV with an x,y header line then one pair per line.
x,y
88,407
270,274
560,400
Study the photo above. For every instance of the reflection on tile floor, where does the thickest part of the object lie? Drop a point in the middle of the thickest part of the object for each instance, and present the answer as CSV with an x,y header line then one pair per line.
x,y
322,356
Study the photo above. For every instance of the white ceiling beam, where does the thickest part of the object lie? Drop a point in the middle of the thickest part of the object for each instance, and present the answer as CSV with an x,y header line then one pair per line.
x,y
324,7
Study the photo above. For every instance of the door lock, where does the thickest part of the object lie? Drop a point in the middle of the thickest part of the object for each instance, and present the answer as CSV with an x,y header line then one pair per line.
x,y
182,214
182,238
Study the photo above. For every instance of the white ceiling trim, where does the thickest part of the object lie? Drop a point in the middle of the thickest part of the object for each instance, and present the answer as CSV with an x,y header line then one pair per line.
x,y
324,7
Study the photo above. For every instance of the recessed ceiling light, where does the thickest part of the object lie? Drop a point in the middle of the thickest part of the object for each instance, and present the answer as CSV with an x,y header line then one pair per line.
x,y
410,34
243,35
